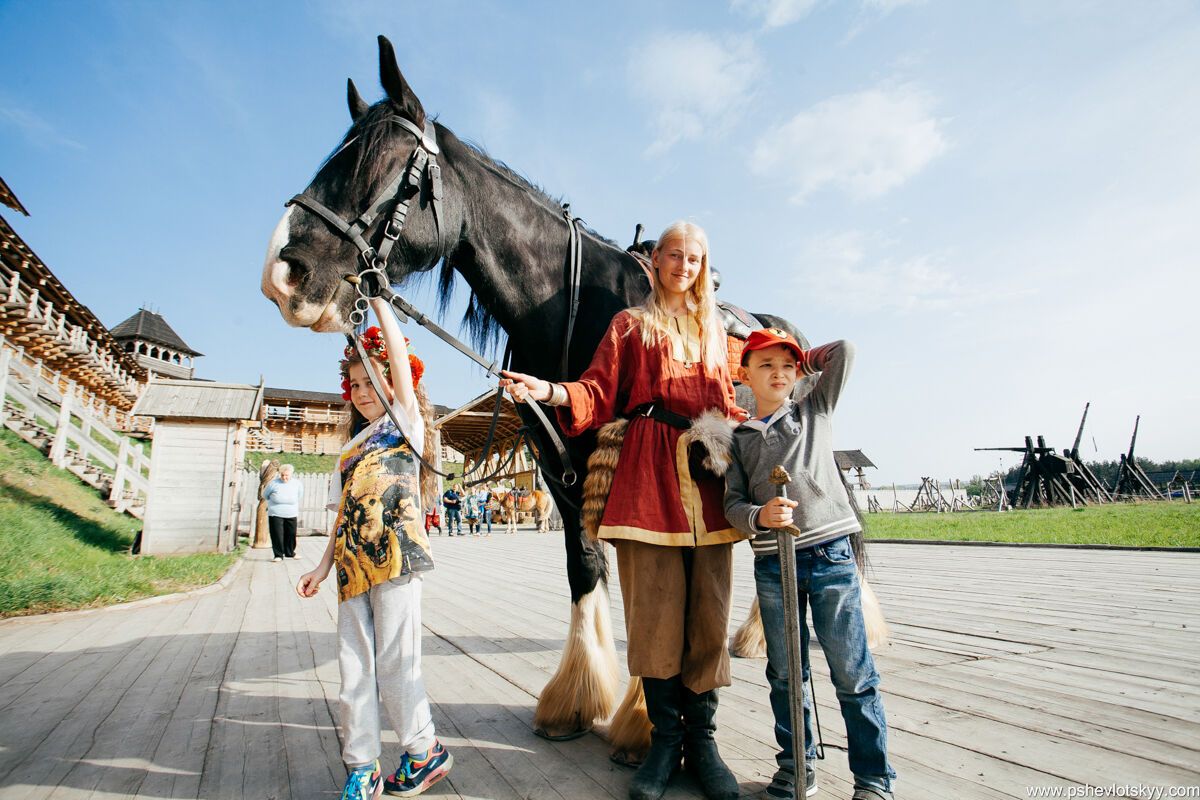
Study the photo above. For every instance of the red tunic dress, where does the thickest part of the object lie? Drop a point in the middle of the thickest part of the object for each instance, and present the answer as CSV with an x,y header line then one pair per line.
x,y
654,497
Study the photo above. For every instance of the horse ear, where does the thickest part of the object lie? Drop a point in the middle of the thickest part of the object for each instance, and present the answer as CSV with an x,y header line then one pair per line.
x,y
398,90
358,106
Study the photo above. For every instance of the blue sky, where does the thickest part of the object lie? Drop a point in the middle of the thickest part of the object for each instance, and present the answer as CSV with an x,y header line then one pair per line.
x,y
997,202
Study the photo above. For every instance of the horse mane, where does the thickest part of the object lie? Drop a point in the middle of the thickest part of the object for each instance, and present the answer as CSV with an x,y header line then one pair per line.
x,y
374,129
484,331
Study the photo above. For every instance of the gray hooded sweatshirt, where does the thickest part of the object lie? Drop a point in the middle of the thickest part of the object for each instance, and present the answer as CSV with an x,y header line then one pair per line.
x,y
800,437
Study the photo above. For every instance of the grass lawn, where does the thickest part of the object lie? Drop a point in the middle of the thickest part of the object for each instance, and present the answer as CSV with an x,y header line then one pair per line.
x,y
61,547
1150,524
303,462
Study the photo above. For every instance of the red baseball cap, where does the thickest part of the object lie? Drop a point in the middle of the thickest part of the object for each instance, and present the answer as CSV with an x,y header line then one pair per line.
x,y
769,337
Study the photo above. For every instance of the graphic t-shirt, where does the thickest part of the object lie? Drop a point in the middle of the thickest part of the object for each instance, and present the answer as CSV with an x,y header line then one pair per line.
x,y
377,488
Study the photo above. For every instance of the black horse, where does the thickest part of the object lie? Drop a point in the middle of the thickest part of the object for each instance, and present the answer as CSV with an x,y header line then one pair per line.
x,y
508,241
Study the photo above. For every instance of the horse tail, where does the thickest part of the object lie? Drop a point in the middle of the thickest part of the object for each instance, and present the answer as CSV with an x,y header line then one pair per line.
x,y
750,641
872,610
602,465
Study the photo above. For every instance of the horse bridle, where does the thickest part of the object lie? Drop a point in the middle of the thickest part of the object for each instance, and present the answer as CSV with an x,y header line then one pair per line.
x,y
371,279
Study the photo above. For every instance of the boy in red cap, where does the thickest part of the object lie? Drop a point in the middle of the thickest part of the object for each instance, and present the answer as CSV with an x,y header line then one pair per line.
x,y
799,436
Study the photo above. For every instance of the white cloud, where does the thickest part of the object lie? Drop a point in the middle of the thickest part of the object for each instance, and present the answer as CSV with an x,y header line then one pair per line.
x,y
865,143
888,6
775,13
778,13
692,83
839,271
35,129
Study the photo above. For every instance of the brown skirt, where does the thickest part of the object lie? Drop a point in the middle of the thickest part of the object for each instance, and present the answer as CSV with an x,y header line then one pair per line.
x,y
677,611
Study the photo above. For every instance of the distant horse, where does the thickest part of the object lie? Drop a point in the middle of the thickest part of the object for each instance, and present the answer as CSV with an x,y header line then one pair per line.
x,y
508,240
536,502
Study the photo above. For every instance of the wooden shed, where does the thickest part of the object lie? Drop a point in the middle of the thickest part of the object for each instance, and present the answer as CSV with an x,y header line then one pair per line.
x,y
195,464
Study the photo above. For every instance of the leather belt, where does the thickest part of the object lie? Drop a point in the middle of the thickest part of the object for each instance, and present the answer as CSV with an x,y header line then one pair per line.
x,y
655,411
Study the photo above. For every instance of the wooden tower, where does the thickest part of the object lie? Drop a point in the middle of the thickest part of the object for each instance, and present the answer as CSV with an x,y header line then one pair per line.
x,y
155,345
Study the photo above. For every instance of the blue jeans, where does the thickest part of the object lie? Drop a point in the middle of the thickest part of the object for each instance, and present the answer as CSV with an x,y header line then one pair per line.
x,y
827,579
487,517
453,518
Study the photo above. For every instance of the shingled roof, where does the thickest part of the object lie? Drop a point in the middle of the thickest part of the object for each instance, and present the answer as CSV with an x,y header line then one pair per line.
x,y
851,458
151,327
9,199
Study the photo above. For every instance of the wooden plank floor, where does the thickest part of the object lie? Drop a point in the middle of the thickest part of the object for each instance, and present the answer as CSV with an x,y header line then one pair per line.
x,y
1008,668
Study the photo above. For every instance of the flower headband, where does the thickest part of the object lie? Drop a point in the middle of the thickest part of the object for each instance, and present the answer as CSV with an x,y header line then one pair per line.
x,y
373,344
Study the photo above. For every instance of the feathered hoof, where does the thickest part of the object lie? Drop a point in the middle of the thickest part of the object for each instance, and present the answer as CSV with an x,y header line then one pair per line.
x,y
564,734
629,732
626,759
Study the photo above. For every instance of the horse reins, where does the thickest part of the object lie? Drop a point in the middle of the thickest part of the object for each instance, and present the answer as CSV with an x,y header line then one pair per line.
x,y
371,280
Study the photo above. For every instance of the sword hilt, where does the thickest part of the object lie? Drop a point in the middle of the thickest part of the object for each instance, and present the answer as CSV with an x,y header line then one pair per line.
x,y
781,479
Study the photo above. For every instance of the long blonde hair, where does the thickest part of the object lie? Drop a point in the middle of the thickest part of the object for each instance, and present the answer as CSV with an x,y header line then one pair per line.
x,y
701,300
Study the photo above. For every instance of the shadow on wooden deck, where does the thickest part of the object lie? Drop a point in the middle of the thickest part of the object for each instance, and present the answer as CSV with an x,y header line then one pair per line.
x,y
1007,669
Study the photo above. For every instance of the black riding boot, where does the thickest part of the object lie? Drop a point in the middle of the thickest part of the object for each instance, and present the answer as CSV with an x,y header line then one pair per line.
x,y
700,748
663,697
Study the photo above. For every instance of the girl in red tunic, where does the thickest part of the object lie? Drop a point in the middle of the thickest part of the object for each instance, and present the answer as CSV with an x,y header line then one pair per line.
x,y
664,513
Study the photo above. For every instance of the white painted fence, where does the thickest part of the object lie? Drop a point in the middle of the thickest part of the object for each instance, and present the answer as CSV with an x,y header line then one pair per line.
x,y
314,517
40,395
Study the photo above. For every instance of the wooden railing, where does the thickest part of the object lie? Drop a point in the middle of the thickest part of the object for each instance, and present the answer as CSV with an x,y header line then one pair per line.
x,y
36,313
316,416
35,402
263,440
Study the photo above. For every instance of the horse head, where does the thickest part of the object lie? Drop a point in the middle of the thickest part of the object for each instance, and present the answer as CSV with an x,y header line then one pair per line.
x,y
311,253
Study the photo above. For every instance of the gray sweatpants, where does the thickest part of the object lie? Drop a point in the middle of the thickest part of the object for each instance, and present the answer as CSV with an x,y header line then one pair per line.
x,y
379,652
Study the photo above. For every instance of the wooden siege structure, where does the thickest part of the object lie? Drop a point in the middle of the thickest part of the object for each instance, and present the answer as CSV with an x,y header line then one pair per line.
x,y
1132,480
1082,477
1043,478
1046,478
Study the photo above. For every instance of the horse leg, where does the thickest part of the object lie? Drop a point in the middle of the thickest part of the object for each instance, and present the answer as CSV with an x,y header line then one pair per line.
x,y
629,732
584,689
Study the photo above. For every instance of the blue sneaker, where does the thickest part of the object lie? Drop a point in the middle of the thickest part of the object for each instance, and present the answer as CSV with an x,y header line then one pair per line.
x,y
363,783
418,773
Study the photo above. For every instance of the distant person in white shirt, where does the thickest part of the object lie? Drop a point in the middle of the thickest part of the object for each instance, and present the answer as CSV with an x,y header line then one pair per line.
x,y
283,496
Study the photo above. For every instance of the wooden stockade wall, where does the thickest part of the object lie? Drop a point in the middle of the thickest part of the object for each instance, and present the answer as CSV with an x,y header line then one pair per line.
x,y
314,517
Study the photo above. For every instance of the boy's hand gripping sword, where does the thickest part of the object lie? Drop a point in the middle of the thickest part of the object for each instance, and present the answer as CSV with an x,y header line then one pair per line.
x,y
791,613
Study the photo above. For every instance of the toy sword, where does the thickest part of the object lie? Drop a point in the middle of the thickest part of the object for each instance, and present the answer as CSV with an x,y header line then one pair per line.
x,y
791,613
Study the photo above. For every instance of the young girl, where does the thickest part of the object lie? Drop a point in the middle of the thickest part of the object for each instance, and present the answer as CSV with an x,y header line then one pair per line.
x,y
380,551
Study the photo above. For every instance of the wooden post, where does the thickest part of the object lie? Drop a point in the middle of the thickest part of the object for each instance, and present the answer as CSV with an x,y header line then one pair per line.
x,y
5,363
262,533
58,449
116,497
1187,494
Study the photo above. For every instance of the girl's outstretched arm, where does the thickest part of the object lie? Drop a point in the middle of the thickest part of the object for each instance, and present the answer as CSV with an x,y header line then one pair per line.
x,y
401,370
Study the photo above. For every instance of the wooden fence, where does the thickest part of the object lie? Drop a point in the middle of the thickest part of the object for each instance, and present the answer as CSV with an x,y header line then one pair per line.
x,y
41,405
314,517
